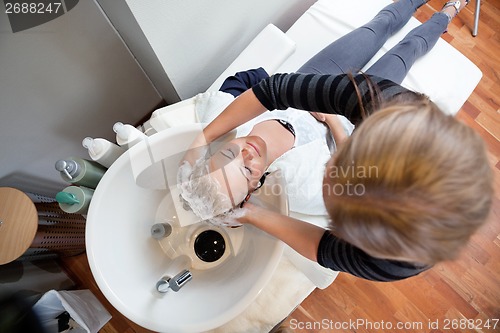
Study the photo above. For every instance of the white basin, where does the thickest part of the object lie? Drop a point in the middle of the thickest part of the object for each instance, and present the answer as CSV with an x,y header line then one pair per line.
x,y
127,262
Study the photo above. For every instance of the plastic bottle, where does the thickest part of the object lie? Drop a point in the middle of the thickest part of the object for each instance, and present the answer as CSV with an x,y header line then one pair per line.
x,y
161,230
75,199
127,135
102,151
80,172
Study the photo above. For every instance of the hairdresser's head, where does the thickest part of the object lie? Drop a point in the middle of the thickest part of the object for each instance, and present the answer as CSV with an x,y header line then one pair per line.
x,y
223,181
410,184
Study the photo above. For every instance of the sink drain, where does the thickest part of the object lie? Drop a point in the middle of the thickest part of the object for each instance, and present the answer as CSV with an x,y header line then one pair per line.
x,y
209,246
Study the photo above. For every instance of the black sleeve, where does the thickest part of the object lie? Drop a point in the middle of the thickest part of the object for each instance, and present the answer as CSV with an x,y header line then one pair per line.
x,y
323,93
242,81
336,254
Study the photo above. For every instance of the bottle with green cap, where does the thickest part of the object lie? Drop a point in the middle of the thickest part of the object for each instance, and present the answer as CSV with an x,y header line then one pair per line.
x,y
80,172
75,199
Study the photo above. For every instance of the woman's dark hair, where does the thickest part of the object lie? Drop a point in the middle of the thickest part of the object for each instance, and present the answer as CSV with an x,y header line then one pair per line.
x,y
374,98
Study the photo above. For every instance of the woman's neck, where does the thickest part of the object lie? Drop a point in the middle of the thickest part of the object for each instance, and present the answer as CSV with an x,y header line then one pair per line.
x,y
278,139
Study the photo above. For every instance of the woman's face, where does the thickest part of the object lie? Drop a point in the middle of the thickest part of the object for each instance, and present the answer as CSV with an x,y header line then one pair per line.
x,y
238,166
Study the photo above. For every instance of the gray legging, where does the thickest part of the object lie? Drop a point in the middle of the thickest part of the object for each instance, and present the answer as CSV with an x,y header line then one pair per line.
x,y
352,51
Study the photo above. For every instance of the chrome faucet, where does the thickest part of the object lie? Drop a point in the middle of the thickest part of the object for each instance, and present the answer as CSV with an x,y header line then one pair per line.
x,y
175,283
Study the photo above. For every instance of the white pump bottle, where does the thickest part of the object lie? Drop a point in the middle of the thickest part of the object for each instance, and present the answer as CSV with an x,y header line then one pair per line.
x,y
102,151
127,135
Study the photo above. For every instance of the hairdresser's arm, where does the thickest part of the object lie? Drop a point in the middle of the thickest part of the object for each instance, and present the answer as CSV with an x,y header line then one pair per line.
x,y
303,237
324,93
335,253
244,108
310,92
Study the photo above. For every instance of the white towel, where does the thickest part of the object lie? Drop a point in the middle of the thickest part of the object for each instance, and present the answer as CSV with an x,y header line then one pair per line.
x,y
303,168
210,104
286,290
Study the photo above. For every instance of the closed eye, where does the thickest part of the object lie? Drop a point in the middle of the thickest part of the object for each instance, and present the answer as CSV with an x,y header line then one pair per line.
x,y
228,153
248,169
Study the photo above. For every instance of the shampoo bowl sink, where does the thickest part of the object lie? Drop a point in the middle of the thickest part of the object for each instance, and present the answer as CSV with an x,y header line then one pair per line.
x,y
127,262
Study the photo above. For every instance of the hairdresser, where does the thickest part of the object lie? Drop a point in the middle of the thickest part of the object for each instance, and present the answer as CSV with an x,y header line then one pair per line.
x,y
422,184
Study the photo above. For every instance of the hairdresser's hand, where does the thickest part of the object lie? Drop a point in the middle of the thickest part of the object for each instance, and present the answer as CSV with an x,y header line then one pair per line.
x,y
257,216
334,124
321,117
250,212
325,118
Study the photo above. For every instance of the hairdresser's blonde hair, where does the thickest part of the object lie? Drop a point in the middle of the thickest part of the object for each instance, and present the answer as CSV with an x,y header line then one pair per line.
x,y
420,184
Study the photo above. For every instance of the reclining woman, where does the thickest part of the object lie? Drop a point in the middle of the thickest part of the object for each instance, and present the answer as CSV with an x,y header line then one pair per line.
x,y
263,146
423,202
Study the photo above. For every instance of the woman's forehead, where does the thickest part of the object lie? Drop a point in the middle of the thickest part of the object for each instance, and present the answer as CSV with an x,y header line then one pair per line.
x,y
232,181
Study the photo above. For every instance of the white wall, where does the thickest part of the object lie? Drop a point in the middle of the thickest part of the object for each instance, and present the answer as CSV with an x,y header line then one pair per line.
x,y
124,21
59,82
196,40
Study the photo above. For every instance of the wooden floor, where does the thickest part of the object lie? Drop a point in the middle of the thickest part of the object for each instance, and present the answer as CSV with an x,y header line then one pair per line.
x,y
450,295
